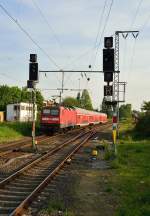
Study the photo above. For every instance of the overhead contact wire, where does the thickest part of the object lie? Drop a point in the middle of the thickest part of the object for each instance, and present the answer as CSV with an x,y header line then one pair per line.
x,y
132,23
28,35
105,25
136,13
48,24
99,26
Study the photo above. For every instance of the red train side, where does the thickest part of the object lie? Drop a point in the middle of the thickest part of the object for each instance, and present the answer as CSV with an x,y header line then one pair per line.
x,y
86,117
59,117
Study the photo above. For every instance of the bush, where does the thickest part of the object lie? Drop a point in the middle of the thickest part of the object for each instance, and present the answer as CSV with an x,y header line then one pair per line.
x,y
142,127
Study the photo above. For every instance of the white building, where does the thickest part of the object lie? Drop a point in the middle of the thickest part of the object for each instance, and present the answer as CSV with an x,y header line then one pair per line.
x,y
22,112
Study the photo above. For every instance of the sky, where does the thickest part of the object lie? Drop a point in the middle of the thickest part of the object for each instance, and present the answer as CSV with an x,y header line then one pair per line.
x,y
69,35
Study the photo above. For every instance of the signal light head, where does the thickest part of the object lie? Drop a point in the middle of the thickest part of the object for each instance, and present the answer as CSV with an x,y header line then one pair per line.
x,y
108,60
33,57
33,71
108,42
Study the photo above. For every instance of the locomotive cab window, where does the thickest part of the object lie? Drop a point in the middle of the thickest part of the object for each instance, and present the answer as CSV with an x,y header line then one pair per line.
x,y
46,111
54,112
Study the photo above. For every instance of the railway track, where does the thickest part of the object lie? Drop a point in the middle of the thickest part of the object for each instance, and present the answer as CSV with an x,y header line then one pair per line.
x,y
27,142
6,148
18,190
11,160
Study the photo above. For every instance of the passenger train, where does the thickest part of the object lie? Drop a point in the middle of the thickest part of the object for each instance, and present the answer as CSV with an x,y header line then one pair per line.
x,y
58,118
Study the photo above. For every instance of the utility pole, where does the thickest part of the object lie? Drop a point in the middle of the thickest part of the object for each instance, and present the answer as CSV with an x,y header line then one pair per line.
x,y
62,87
63,74
79,85
111,74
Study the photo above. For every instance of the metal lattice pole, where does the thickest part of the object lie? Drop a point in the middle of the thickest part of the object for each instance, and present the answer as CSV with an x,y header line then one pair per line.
x,y
116,74
117,82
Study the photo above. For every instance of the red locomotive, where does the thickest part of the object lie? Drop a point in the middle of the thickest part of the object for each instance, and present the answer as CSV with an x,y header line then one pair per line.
x,y
56,118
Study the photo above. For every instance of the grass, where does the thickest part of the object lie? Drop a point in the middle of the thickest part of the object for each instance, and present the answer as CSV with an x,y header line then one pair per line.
x,y
132,179
55,206
14,130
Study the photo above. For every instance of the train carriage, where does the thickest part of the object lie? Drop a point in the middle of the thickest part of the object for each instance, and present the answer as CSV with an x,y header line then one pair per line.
x,y
82,117
57,118
87,117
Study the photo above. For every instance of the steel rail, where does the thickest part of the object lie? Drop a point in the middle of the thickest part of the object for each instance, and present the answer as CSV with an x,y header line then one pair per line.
x,y
5,147
49,153
24,205
22,173
11,147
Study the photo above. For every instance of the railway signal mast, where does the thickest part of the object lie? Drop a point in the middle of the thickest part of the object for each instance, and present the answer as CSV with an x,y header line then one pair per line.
x,y
31,84
108,65
111,74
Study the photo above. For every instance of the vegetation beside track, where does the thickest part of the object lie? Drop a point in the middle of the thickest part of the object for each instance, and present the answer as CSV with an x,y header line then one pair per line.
x,y
121,189
142,128
132,180
10,131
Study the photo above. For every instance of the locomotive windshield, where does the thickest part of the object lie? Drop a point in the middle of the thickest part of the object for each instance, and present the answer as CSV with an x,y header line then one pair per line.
x,y
46,111
54,112
51,111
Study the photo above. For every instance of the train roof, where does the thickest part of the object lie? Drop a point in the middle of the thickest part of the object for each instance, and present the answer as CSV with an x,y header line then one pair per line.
x,y
80,110
77,109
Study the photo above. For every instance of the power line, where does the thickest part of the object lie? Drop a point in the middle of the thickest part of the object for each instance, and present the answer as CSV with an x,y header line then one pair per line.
x,y
132,59
106,21
104,27
100,22
99,25
28,35
90,49
80,56
83,54
145,23
136,13
134,46
48,24
50,28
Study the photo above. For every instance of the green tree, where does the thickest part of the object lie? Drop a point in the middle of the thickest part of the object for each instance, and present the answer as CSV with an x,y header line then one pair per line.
x,y
15,94
9,95
146,106
5,96
39,100
143,125
85,100
70,101
26,96
125,111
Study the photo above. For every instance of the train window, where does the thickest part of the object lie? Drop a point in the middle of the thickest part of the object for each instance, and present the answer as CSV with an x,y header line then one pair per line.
x,y
54,112
46,111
